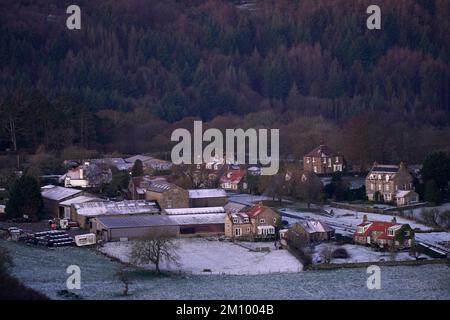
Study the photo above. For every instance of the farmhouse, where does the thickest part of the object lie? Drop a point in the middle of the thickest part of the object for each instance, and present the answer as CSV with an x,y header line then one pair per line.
x,y
384,234
261,220
88,175
54,195
233,180
391,183
323,160
207,198
83,213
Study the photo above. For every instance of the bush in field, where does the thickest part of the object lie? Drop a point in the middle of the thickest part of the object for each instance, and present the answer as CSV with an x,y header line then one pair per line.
x,y
341,253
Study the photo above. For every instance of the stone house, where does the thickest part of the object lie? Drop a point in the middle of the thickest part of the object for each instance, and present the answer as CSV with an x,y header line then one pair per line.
x,y
257,222
387,183
167,195
323,160
234,180
310,231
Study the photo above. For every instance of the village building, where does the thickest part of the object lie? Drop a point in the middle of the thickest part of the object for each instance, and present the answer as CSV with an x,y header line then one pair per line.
x,y
84,213
391,184
65,206
137,187
234,180
257,222
124,228
384,234
184,222
323,160
167,195
88,175
150,164
309,232
207,198
54,195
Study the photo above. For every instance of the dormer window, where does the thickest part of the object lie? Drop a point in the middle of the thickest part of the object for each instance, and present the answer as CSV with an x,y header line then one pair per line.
x,y
235,220
246,220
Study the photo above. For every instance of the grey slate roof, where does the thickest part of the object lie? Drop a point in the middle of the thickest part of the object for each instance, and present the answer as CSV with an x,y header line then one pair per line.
x,y
58,193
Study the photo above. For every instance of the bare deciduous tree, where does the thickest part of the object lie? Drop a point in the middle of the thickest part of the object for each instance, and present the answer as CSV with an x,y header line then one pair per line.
x,y
154,249
122,275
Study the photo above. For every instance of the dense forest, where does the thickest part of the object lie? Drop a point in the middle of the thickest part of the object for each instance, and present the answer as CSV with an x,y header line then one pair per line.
x,y
138,69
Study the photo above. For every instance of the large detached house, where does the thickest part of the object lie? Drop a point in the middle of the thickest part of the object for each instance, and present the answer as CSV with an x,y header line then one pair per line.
x,y
384,234
257,222
392,184
233,180
323,160
87,175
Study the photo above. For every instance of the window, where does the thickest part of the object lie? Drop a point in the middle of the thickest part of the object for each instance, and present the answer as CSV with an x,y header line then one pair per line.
x,y
237,232
387,187
235,220
337,159
274,220
391,232
248,229
246,220
262,220
372,186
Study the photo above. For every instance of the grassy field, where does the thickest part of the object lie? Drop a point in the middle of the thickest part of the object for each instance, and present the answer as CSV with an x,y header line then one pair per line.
x,y
45,270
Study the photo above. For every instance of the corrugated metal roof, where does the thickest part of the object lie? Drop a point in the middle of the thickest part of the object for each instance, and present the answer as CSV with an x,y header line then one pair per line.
x,y
58,193
196,219
128,207
186,211
137,221
80,199
206,193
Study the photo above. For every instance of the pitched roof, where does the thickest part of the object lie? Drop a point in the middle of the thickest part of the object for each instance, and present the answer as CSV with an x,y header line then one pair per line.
x,y
127,207
206,193
385,168
315,226
232,176
378,226
138,157
136,221
139,221
186,211
79,199
58,193
255,211
322,151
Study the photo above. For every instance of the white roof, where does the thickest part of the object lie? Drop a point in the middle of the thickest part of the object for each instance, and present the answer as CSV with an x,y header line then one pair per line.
x,y
214,218
138,157
80,199
128,207
58,193
206,193
191,211
402,193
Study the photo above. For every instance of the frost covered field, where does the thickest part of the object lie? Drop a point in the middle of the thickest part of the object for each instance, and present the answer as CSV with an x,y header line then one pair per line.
x,y
220,257
45,270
